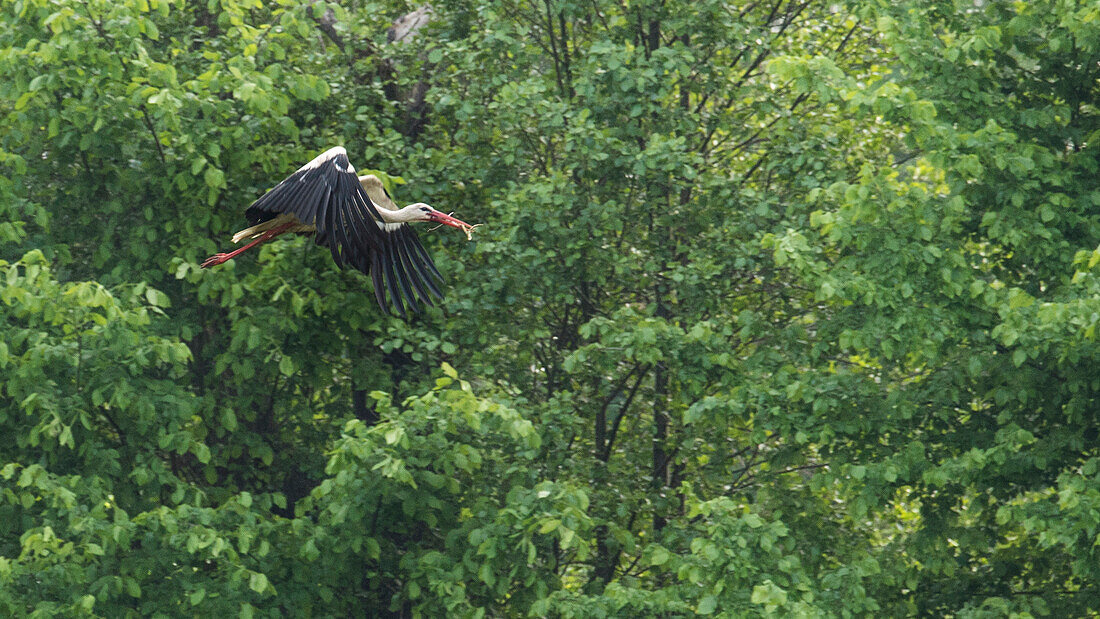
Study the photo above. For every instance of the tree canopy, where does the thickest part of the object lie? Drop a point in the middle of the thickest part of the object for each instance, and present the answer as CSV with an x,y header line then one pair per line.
x,y
780,308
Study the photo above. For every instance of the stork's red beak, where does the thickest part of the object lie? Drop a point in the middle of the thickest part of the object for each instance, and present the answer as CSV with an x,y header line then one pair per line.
x,y
445,219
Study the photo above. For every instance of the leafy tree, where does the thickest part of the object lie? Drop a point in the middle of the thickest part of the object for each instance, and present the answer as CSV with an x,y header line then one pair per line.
x,y
780,308
959,280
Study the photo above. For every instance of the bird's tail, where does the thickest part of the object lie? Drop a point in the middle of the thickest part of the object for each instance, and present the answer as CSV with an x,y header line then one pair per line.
x,y
263,226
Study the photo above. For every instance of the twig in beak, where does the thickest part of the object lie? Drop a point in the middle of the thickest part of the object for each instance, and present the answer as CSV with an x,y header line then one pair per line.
x,y
468,230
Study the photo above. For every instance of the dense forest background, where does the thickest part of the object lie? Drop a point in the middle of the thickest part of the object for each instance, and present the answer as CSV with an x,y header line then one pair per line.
x,y
784,307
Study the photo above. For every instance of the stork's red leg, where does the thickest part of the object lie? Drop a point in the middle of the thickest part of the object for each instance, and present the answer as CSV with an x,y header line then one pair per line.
x,y
217,259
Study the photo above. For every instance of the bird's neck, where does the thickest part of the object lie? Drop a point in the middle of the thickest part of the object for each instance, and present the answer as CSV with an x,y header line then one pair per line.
x,y
404,215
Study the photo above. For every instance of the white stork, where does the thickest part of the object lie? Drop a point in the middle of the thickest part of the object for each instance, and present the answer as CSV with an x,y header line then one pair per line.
x,y
356,219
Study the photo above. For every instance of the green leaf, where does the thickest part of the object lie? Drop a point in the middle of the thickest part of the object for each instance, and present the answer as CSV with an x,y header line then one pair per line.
x,y
374,551
753,521
257,582
394,435
449,371
769,594
707,605
156,298
197,166
658,556
214,178
201,451
286,366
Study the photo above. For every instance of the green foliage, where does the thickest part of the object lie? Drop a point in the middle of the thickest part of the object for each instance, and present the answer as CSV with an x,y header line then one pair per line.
x,y
779,309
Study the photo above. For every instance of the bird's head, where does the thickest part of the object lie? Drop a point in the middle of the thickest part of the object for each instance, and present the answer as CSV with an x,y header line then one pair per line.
x,y
423,212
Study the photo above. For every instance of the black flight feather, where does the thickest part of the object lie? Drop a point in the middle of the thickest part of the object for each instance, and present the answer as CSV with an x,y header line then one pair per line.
x,y
414,274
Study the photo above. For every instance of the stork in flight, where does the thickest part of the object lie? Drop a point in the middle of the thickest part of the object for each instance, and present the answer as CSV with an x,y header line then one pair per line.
x,y
356,219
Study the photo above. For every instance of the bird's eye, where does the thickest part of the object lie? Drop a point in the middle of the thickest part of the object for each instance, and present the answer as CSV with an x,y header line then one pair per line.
x,y
425,209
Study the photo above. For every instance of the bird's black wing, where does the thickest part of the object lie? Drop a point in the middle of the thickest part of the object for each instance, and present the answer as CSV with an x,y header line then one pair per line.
x,y
325,193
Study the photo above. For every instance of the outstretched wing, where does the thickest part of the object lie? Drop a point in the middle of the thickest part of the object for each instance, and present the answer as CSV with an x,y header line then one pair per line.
x,y
325,193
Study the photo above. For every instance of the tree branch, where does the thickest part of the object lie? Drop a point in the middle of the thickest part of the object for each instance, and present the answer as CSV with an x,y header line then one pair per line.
x,y
622,413
153,131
